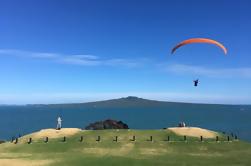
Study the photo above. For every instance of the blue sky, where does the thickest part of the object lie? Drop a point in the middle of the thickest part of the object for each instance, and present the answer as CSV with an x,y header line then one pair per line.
x,y
57,51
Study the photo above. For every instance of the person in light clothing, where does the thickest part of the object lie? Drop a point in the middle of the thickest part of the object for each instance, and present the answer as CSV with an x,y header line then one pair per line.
x,y
59,124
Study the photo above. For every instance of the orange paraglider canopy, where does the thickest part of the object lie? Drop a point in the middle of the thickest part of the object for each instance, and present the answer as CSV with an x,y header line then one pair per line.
x,y
199,40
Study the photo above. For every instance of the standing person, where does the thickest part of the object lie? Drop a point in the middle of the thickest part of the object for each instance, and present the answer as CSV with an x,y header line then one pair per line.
x,y
59,124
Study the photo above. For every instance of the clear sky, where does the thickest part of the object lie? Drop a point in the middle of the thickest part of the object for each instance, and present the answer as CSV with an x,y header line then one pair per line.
x,y
56,51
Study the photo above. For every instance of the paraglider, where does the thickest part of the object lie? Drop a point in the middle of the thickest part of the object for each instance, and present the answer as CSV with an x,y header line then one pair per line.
x,y
200,40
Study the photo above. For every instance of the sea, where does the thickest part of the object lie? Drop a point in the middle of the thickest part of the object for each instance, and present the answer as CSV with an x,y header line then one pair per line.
x,y
230,119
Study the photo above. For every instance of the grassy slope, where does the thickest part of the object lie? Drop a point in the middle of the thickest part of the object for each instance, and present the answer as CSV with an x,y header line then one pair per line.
x,y
125,152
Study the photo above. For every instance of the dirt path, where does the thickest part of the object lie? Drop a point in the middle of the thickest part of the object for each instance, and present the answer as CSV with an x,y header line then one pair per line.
x,y
193,132
53,133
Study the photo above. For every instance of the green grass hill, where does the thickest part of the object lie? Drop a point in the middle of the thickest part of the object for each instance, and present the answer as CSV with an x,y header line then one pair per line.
x,y
107,151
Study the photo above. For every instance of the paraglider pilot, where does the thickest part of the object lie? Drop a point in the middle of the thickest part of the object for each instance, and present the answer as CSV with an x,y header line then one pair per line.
x,y
196,82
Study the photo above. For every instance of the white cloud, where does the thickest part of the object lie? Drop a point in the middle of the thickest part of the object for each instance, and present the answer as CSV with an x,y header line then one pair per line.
x,y
22,53
210,72
44,55
118,62
92,57
79,59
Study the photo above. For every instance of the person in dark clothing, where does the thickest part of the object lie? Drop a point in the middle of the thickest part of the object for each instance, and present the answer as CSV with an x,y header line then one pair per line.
x,y
196,82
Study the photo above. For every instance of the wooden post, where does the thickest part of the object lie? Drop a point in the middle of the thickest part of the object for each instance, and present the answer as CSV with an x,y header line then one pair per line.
x,y
168,138
81,139
64,139
217,138
185,138
16,141
201,138
115,139
151,138
133,138
228,139
235,137
98,139
29,141
46,139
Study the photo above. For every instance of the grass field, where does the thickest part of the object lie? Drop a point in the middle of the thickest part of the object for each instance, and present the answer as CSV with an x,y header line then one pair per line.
x,y
176,151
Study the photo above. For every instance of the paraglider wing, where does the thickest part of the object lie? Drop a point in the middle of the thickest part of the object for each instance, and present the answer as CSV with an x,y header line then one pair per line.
x,y
199,40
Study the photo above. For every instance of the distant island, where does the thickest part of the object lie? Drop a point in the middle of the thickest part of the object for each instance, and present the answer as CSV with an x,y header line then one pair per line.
x,y
127,102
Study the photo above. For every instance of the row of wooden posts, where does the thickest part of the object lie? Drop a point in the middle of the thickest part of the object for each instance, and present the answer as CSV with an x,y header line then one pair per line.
x,y
115,139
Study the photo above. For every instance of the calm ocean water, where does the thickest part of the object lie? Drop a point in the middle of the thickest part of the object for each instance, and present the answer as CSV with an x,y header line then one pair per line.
x,y
15,120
